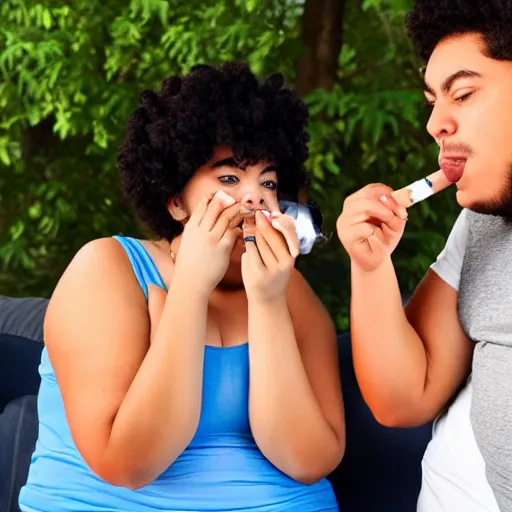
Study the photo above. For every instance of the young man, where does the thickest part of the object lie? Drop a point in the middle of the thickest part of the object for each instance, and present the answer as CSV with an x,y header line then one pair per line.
x,y
454,340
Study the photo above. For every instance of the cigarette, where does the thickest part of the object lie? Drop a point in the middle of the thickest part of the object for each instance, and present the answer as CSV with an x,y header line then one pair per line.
x,y
245,212
421,189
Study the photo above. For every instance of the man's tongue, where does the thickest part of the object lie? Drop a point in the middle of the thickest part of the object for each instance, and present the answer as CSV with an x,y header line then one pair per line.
x,y
453,168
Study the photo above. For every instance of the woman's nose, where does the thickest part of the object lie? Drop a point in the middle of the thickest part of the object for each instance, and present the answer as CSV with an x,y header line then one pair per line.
x,y
252,200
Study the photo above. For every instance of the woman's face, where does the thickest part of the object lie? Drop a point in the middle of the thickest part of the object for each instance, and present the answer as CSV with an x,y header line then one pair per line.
x,y
254,186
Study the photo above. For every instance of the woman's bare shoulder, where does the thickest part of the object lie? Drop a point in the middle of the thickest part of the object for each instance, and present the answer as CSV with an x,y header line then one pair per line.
x,y
100,267
102,251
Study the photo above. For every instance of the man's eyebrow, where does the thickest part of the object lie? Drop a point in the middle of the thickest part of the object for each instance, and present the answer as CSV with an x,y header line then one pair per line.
x,y
448,83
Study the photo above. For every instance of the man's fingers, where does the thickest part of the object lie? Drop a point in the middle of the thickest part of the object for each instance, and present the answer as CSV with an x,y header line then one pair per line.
x,y
371,210
382,193
394,206
374,190
374,240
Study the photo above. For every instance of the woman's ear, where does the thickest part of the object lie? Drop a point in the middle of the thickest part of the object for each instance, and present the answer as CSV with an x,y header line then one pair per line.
x,y
176,209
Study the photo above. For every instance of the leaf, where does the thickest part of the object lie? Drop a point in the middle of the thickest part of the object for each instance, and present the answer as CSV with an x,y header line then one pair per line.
x,y
47,19
71,73
371,4
54,74
4,156
251,5
34,211
331,165
378,123
17,229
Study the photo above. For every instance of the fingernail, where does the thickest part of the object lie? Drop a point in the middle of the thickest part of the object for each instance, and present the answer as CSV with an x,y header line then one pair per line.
x,y
402,213
276,214
276,224
267,215
225,198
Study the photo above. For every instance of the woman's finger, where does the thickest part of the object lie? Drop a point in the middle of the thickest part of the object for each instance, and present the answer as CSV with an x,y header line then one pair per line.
x,y
229,219
252,253
267,255
217,205
273,238
199,211
285,224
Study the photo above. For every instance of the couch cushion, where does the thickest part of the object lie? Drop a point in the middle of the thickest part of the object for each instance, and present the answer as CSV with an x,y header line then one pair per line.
x,y
381,469
18,434
21,343
23,317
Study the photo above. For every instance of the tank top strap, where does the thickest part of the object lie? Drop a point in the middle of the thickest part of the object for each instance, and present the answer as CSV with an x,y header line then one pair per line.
x,y
143,265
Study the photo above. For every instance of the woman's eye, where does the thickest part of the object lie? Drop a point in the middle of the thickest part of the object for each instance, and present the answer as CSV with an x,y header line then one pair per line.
x,y
464,97
229,180
272,185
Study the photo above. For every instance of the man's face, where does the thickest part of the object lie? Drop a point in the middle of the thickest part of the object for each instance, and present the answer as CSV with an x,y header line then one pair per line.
x,y
471,119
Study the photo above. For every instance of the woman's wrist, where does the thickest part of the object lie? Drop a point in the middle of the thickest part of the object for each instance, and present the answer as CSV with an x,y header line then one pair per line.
x,y
274,304
186,286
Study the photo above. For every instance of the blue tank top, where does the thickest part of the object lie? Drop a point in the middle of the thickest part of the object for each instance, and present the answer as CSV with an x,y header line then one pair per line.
x,y
221,470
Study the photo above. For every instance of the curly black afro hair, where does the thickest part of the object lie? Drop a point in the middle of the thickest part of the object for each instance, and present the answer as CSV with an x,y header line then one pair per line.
x,y
430,21
175,131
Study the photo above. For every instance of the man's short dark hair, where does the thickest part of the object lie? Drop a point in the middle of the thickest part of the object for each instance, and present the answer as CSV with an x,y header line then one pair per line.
x,y
175,131
431,21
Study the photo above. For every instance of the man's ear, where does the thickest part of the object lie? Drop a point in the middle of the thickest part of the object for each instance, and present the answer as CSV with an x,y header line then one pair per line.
x,y
176,209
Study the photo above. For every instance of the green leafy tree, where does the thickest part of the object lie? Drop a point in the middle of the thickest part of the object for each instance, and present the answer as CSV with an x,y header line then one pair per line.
x,y
70,73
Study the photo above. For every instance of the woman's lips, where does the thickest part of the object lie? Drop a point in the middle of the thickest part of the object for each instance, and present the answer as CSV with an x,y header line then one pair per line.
x,y
452,167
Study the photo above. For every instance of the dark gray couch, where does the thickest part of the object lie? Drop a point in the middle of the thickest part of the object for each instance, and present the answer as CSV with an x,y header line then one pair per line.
x,y
381,470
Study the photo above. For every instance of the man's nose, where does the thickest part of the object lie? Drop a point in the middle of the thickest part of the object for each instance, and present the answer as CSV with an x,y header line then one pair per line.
x,y
441,123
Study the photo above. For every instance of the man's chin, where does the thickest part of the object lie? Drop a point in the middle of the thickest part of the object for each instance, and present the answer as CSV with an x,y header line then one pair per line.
x,y
492,206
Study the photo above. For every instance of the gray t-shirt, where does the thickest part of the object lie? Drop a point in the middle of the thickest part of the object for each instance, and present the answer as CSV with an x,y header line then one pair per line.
x,y
453,467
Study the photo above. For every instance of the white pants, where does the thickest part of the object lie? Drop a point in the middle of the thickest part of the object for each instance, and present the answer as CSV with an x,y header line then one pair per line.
x,y
453,468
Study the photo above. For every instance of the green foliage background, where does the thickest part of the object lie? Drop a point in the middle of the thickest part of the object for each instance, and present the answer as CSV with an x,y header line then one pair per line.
x,y
72,71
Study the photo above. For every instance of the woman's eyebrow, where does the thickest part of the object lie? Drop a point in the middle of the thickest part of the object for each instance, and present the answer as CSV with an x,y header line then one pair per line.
x,y
270,168
226,162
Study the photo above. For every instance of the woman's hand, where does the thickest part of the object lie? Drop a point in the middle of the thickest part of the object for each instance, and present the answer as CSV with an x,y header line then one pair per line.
x,y
270,252
371,225
207,242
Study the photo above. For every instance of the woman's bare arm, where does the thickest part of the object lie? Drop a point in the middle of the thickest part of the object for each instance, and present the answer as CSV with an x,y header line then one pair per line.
x,y
132,406
296,403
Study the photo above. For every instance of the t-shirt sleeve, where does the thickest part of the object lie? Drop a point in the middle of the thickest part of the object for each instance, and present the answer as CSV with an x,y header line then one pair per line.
x,y
448,265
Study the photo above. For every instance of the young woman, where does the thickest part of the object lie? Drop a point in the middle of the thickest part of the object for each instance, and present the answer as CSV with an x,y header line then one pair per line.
x,y
196,371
